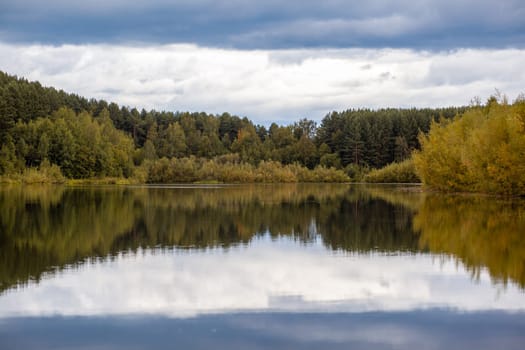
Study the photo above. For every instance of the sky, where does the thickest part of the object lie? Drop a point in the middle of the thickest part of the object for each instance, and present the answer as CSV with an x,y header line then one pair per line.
x,y
269,60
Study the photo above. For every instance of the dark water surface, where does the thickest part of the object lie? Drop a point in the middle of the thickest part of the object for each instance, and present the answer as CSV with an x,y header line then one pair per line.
x,y
258,267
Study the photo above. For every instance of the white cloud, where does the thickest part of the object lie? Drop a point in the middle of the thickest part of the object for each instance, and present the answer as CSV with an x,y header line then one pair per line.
x,y
269,85
266,276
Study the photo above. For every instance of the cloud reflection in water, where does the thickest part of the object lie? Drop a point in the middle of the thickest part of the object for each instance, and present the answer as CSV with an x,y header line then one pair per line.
x,y
266,276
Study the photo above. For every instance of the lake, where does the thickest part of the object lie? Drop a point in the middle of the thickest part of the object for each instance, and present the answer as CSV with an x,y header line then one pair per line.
x,y
259,266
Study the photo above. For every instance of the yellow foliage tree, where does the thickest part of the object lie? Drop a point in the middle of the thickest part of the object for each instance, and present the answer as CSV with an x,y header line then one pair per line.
x,y
481,151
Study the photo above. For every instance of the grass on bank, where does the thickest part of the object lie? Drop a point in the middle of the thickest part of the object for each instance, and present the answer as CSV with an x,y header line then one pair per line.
x,y
46,173
189,170
226,170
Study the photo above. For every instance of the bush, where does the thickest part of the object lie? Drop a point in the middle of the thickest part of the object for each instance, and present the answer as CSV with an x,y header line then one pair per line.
x,y
46,173
356,172
269,171
324,174
229,170
403,172
481,151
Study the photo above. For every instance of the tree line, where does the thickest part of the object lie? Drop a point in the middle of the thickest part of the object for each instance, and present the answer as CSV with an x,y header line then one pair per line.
x,y
93,138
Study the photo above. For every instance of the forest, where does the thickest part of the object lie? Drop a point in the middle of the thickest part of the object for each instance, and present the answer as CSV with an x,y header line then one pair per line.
x,y
50,135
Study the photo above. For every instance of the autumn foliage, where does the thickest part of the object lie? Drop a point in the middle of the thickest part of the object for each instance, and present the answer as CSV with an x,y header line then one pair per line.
x,y
481,151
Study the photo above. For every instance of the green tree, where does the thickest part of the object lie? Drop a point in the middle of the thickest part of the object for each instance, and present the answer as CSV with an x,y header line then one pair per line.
x,y
7,157
248,145
43,146
173,141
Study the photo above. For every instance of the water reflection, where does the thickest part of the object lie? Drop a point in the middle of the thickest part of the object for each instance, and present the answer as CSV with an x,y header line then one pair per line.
x,y
481,233
45,228
397,330
187,251
265,276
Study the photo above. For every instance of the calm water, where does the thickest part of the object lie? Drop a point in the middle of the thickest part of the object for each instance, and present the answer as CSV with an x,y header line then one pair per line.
x,y
257,267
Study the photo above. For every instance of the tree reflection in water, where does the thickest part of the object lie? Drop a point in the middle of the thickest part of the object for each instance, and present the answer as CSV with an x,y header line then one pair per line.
x,y
45,229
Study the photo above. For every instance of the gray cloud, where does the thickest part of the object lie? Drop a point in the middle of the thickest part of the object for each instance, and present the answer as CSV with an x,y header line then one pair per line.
x,y
248,24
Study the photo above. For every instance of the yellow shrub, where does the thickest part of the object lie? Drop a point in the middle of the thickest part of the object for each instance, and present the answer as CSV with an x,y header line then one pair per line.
x,y
481,151
403,172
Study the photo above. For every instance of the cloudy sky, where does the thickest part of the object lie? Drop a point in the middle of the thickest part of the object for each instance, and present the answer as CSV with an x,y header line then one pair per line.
x,y
269,60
